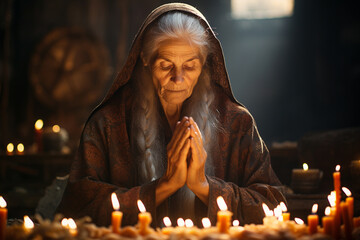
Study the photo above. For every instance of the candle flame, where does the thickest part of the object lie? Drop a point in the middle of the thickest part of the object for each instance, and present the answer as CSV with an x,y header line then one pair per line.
x,y
10,147
20,147
72,224
281,218
236,223
141,206
327,211
189,223
65,223
337,168
28,223
115,202
277,211
331,199
56,128
267,211
180,222
314,208
346,191
39,124
167,221
221,203
206,222
299,221
2,202
283,207
305,167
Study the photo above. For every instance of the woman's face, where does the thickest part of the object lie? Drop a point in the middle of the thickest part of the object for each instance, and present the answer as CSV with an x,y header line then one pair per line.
x,y
176,71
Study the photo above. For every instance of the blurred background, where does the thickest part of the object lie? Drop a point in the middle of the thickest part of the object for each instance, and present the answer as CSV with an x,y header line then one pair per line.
x,y
294,64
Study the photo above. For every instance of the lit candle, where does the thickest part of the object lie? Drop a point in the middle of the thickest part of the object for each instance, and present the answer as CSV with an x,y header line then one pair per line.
x,y
313,219
10,149
350,201
168,229
336,176
180,222
3,217
328,222
269,218
305,180
223,216
206,222
189,223
20,149
285,214
28,223
116,215
144,218
345,216
38,135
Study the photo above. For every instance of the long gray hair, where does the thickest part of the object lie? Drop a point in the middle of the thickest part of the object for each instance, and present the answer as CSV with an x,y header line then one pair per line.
x,y
147,139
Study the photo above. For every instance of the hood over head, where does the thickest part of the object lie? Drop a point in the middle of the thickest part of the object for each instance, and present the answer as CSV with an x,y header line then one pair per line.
x,y
216,59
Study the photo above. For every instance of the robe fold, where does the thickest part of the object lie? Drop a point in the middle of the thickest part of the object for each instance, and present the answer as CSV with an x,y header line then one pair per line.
x,y
104,162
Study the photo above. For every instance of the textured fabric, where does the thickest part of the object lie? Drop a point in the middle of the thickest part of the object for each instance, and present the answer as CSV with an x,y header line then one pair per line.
x,y
103,164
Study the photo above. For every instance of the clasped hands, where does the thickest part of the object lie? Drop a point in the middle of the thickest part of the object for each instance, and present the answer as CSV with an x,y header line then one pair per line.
x,y
186,159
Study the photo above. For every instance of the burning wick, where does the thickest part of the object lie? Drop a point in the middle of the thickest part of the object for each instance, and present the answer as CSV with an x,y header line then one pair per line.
x,y
305,167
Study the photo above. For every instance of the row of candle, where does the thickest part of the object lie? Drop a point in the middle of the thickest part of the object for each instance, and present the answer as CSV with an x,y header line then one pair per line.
x,y
38,131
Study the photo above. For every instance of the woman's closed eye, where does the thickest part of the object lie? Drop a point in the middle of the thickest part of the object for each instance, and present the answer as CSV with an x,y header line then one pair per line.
x,y
166,65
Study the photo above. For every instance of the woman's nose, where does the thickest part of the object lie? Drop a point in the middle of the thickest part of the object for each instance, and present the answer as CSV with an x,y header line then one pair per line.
x,y
177,75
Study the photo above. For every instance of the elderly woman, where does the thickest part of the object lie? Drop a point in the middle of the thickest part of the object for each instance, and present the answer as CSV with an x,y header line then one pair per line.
x,y
170,133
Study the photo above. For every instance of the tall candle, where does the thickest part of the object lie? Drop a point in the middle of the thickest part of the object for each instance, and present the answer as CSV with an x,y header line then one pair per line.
x,y
10,149
313,220
116,215
223,216
3,217
38,135
337,184
144,218
350,201
328,223
285,214
345,216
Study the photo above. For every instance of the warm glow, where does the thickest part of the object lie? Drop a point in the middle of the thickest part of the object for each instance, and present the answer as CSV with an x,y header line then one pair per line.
x,y
141,206
39,124
20,147
305,167
56,128
346,191
236,223
281,218
221,203
72,224
331,199
189,223
2,202
180,222
167,221
267,211
327,211
314,208
299,221
115,202
337,168
10,147
28,223
283,207
65,222
206,222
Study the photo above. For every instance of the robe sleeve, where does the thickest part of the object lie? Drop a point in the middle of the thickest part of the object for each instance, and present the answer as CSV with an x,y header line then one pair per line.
x,y
91,181
256,181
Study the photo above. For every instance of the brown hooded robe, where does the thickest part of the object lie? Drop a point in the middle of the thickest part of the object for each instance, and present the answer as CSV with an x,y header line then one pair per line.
x,y
103,164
